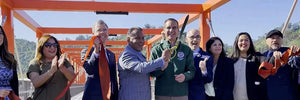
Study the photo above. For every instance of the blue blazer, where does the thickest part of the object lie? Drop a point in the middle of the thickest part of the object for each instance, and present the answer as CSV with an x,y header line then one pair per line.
x,y
224,79
196,85
282,85
92,90
134,74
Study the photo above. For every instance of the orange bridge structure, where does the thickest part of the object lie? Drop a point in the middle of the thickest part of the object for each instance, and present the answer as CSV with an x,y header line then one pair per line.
x,y
15,8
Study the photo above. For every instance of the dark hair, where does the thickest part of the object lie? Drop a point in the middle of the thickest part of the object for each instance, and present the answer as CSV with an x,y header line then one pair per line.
x,y
236,51
7,58
130,34
40,47
210,42
172,19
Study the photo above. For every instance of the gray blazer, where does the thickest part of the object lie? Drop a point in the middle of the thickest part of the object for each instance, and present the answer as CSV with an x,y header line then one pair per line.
x,y
134,74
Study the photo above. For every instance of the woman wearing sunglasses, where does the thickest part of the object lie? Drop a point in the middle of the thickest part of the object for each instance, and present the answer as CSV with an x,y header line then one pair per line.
x,y
8,69
49,71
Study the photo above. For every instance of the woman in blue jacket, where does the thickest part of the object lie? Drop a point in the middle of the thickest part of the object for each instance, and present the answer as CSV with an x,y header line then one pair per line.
x,y
222,85
248,85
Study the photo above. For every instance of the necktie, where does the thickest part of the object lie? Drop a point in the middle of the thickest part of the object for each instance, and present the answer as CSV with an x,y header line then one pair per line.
x,y
104,74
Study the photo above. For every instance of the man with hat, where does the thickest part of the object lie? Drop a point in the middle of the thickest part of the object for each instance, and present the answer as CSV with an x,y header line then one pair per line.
x,y
282,85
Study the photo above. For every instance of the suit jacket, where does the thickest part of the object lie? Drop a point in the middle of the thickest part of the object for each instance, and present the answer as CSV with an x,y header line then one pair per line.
x,y
92,90
224,79
196,85
134,74
282,85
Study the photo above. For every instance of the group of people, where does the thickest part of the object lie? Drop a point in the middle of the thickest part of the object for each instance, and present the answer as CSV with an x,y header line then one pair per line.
x,y
187,72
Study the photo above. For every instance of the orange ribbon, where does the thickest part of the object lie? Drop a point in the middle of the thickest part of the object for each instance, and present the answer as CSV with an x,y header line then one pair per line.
x,y
72,81
11,96
266,69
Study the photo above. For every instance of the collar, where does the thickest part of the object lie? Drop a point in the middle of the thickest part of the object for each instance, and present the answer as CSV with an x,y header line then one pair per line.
x,y
166,44
131,49
196,51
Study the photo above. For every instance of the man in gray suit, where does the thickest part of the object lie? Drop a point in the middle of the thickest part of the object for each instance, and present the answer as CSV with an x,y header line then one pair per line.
x,y
134,70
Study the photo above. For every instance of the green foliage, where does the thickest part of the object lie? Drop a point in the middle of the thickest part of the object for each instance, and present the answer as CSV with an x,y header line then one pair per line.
x,y
26,52
291,37
228,49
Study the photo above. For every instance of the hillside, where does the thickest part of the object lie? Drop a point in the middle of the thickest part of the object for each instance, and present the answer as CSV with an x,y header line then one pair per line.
x,y
290,37
26,51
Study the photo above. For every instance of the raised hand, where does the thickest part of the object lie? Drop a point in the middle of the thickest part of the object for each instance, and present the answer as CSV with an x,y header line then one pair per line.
x,y
61,61
166,56
163,35
277,54
4,92
54,65
295,50
202,65
180,78
97,45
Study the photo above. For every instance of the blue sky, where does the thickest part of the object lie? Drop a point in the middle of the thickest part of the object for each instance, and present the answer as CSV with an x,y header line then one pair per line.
x,y
256,17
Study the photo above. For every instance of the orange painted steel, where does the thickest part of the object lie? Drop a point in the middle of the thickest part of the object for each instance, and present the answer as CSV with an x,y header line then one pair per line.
x,y
66,42
204,29
56,30
23,17
195,11
80,49
106,6
148,51
72,49
74,54
8,28
7,3
116,49
211,5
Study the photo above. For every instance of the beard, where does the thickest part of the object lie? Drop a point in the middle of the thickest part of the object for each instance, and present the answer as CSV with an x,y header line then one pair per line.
x,y
274,48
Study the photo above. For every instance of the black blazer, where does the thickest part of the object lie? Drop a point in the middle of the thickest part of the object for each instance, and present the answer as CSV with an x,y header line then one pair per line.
x,y
224,79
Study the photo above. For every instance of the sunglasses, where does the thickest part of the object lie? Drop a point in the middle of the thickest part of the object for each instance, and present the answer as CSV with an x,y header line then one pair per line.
x,y
48,45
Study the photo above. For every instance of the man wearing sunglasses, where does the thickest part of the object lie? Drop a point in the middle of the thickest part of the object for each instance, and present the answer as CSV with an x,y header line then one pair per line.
x,y
100,66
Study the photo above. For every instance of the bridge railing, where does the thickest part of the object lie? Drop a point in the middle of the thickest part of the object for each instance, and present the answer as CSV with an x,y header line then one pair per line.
x,y
25,88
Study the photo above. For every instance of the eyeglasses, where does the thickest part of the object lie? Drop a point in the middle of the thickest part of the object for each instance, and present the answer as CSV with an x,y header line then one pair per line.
x,y
48,45
194,37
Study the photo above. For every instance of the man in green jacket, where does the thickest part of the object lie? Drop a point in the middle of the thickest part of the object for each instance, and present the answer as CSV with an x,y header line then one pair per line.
x,y
172,83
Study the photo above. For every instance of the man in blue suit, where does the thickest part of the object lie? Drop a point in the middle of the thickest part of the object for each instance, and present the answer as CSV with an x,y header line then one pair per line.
x,y
282,85
134,70
203,63
92,90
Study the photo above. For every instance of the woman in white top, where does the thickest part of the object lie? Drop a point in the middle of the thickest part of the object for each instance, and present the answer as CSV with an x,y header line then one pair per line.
x,y
248,85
